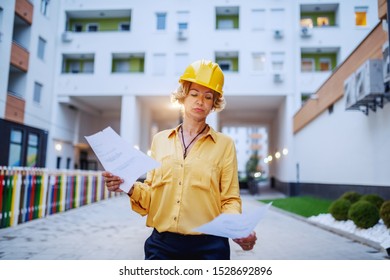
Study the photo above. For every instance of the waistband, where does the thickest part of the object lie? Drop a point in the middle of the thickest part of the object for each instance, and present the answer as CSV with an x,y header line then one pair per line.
x,y
174,235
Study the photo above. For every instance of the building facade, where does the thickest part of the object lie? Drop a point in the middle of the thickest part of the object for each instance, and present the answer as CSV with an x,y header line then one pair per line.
x,y
93,64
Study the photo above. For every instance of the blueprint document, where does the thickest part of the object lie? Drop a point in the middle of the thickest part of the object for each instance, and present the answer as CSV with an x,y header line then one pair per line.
x,y
234,225
119,158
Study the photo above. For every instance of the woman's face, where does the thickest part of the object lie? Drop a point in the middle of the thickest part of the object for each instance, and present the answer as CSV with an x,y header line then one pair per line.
x,y
199,102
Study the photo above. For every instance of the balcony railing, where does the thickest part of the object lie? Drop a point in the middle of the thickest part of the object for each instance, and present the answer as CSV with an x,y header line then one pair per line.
x,y
19,57
30,193
24,9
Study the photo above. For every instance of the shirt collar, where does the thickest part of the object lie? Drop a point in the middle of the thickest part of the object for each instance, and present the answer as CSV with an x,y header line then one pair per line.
x,y
212,133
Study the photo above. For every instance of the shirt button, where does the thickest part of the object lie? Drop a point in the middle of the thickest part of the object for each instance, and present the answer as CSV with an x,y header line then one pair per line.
x,y
174,218
180,183
178,201
181,165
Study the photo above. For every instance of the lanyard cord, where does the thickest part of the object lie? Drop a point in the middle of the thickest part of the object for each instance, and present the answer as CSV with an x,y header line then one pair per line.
x,y
184,144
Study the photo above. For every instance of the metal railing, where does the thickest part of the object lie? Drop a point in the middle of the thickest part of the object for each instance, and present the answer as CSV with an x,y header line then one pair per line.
x,y
32,193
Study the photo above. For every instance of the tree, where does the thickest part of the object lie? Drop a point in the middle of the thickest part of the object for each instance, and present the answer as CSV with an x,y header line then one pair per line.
x,y
252,165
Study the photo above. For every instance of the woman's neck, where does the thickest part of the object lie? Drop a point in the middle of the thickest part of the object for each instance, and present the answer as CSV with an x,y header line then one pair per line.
x,y
193,128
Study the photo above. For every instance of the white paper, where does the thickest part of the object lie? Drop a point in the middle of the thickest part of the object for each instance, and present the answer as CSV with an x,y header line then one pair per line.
x,y
118,157
234,225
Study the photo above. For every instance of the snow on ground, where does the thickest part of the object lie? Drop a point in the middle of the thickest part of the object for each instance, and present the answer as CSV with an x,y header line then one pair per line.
x,y
378,233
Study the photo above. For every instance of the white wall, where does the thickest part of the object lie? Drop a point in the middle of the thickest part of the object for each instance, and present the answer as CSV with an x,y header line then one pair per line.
x,y
6,24
345,147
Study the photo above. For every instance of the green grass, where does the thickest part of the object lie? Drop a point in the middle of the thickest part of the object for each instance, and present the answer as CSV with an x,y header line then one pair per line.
x,y
305,206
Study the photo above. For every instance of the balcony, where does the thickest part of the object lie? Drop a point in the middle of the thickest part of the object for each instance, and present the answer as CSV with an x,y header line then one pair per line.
x,y
19,57
319,15
128,63
227,18
98,21
24,9
78,63
228,61
14,108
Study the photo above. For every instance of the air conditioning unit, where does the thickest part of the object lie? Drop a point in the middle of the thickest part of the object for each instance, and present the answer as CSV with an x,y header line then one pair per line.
x,y
182,34
350,93
278,34
306,31
66,37
278,78
369,81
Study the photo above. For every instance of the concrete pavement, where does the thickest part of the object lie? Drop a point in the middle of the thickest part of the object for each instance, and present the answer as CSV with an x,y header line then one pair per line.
x,y
110,230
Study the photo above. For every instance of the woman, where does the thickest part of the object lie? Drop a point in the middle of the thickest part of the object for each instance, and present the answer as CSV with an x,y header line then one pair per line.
x,y
197,179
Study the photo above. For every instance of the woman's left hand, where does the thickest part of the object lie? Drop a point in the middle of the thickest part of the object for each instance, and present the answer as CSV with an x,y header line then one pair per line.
x,y
247,243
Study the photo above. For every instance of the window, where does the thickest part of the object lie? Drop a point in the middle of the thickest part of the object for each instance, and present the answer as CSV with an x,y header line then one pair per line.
x,y
258,62
92,27
161,21
122,66
361,16
74,67
15,148
88,67
258,19
181,62
32,150
124,26
44,7
225,24
159,62
183,25
225,65
228,61
307,22
227,17
58,165
41,48
77,27
307,65
322,21
277,59
325,64
182,20
37,92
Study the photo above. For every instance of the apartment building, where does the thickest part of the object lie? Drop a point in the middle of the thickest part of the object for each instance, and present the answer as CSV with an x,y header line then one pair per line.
x,y
115,63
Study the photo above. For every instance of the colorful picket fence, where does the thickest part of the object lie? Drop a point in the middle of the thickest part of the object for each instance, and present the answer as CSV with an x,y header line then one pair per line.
x,y
31,193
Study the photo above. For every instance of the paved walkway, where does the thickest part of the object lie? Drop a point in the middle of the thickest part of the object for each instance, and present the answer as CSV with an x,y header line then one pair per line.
x,y
110,230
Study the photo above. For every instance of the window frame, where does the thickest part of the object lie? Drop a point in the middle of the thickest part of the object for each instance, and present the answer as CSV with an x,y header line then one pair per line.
x,y
161,21
92,24
313,64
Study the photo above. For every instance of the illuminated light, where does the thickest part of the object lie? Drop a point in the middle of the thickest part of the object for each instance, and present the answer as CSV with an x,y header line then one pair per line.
x,y
269,158
266,160
175,105
58,147
149,153
257,174
285,151
277,155
136,147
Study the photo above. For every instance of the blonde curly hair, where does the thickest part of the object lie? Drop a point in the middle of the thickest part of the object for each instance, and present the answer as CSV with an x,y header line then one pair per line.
x,y
182,91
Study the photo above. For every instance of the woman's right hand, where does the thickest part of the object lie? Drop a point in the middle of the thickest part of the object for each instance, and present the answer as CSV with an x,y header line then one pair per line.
x,y
112,182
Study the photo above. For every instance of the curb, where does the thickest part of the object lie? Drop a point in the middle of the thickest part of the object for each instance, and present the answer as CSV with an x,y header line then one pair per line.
x,y
337,231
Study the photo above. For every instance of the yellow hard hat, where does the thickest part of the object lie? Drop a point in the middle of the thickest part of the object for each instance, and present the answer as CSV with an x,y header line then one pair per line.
x,y
205,73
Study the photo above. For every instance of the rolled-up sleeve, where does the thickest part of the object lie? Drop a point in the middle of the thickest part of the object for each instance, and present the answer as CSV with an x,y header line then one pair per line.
x,y
230,191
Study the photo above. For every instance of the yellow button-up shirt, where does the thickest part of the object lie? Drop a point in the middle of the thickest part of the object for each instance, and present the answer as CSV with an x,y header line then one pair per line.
x,y
185,193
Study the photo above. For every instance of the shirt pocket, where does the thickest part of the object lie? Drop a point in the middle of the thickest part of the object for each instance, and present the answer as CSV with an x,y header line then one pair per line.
x,y
203,175
166,173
